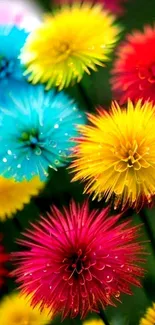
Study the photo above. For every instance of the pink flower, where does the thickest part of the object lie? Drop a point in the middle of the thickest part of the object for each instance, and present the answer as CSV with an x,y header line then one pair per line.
x,y
78,261
3,259
115,6
20,13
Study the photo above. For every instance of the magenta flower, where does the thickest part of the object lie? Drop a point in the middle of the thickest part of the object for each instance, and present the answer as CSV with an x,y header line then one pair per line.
x,y
78,261
115,6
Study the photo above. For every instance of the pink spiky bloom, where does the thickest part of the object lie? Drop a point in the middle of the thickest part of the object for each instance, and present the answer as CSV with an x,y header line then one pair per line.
x,y
78,261
133,74
3,259
115,6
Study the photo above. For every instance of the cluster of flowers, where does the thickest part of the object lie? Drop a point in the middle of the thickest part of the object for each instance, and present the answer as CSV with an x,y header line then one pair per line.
x,y
75,260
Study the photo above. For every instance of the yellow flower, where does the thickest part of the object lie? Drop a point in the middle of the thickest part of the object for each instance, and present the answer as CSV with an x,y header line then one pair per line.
x,y
116,154
94,322
13,195
68,43
16,310
149,317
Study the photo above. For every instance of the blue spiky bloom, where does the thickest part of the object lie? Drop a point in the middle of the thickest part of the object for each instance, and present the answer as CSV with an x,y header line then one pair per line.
x,y
36,131
12,39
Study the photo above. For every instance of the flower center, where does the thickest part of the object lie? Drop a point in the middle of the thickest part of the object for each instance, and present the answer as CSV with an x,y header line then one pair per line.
x,y
6,67
131,156
62,51
31,139
77,261
75,264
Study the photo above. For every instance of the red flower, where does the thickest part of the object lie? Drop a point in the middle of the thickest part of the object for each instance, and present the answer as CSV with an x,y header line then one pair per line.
x,y
115,6
134,68
78,261
3,259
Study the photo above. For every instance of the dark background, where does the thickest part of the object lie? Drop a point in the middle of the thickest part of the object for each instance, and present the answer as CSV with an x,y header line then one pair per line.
x,y
59,189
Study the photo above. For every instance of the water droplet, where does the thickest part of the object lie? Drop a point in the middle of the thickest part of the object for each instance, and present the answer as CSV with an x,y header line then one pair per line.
x,y
109,278
38,151
56,126
50,287
9,152
56,162
116,257
66,134
30,273
117,294
129,270
4,160
19,166
53,144
44,271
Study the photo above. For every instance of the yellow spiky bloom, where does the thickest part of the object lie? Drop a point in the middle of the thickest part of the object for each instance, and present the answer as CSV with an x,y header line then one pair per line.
x,y
93,321
116,154
13,195
149,317
71,41
16,310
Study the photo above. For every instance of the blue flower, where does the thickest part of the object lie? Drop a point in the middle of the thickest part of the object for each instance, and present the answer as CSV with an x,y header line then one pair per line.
x,y
36,131
12,40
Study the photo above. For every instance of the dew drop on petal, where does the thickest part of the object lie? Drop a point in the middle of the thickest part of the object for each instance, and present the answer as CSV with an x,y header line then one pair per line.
x,y
38,151
109,278
117,294
4,160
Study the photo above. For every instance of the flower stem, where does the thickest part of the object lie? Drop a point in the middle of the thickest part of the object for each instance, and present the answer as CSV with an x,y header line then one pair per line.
x,y
86,98
104,317
17,224
148,228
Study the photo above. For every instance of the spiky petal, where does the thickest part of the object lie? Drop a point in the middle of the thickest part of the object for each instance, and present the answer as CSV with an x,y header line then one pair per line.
x,y
77,261
115,155
133,74
65,46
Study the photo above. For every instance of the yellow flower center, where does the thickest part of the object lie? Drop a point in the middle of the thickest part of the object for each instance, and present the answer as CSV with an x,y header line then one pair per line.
x,y
131,156
62,51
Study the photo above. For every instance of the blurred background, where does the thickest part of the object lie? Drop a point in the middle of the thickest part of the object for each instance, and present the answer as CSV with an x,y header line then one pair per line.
x,y
95,91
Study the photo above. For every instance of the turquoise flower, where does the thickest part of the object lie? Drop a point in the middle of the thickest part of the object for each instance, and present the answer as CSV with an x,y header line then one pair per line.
x,y
12,40
36,131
